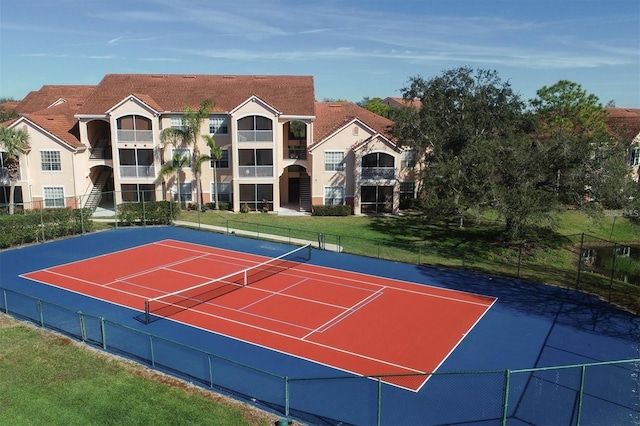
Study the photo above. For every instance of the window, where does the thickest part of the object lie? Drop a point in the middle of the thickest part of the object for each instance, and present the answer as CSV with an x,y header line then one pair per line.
x,y
218,125
407,190
53,196
50,161
182,152
255,162
186,192
408,158
333,195
333,161
376,199
634,158
224,192
136,193
297,130
136,163
255,128
176,123
257,196
223,162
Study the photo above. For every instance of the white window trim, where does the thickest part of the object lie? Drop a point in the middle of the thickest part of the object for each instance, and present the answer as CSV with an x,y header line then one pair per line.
x,y
340,169
44,199
174,191
634,156
324,194
183,151
59,158
225,123
228,151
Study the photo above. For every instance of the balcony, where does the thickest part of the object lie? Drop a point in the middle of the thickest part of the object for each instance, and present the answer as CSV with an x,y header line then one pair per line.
x,y
296,153
137,172
255,135
128,136
255,171
378,173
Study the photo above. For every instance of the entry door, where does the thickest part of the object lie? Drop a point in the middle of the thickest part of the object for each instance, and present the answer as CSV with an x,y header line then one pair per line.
x,y
294,190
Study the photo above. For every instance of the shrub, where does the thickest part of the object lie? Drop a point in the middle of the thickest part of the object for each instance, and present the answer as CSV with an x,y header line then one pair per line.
x,y
245,208
148,213
332,210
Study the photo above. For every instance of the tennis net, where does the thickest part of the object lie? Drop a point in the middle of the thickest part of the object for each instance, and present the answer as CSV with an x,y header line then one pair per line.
x,y
172,303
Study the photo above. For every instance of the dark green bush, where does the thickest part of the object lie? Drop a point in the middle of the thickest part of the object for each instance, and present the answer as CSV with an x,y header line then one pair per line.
x,y
148,213
333,210
32,226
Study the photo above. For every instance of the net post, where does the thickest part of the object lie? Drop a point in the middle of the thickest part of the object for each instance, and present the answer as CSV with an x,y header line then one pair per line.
x,y
146,312
308,251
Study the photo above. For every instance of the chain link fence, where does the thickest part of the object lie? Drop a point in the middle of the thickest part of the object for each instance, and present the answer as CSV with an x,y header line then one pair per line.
x,y
595,393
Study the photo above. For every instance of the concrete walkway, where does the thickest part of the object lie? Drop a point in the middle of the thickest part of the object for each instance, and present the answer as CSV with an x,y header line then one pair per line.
x,y
261,236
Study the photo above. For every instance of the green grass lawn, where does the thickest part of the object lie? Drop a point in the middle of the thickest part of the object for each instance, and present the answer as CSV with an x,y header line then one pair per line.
x,y
545,255
47,379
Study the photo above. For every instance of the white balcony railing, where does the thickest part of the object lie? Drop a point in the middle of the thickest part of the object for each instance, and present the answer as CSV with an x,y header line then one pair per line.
x,y
255,171
255,135
137,172
135,136
378,173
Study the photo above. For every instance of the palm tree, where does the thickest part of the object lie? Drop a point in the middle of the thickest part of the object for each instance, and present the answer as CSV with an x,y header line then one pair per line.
x,y
177,163
189,135
13,142
216,154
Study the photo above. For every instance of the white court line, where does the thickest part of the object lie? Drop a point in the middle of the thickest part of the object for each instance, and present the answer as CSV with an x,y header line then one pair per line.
x,y
352,310
160,267
90,283
357,355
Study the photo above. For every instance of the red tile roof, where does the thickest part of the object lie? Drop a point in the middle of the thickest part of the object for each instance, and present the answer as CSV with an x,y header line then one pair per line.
x,y
625,122
59,121
331,116
399,102
48,95
290,95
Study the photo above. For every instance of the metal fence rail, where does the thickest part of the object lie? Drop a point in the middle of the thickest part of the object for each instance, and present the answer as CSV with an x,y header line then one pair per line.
x,y
595,393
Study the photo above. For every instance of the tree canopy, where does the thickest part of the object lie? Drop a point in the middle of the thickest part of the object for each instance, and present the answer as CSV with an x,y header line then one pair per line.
x,y
484,146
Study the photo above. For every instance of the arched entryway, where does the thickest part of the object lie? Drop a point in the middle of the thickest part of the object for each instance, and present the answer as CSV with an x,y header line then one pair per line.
x,y
295,189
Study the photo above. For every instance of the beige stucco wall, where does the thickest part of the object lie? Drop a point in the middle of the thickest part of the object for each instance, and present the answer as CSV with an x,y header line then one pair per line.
x,y
72,177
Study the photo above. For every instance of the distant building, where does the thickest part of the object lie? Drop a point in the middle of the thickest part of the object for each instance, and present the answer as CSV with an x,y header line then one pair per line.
x,y
280,147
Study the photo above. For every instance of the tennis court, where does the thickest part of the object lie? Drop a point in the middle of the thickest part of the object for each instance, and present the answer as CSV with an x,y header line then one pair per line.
x,y
315,338
357,323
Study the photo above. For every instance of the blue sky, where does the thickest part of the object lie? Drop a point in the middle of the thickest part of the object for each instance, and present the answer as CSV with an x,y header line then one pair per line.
x,y
353,48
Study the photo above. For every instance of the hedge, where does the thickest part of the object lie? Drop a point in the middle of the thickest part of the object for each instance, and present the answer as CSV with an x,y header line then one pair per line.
x,y
332,210
32,226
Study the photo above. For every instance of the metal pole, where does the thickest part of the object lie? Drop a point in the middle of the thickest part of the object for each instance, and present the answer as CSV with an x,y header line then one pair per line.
x,y
613,269
580,261
580,395
379,414
505,403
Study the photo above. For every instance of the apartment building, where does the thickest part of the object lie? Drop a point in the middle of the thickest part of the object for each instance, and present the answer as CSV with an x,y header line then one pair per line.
x,y
280,148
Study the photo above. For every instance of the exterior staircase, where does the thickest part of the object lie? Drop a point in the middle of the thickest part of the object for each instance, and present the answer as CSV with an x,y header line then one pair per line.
x,y
305,194
93,200
98,152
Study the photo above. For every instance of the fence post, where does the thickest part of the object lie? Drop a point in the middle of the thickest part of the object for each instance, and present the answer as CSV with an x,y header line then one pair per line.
x,y
580,394
519,257
580,261
83,328
286,396
379,413
153,357
613,269
103,332
39,305
210,370
4,296
505,400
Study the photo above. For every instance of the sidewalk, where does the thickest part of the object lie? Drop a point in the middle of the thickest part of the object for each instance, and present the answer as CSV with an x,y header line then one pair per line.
x,y
261,236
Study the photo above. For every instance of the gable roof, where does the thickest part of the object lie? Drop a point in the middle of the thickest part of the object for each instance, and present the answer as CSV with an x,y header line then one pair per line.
x,y
331,116
400,102
291,95
49,95
59,122
625,122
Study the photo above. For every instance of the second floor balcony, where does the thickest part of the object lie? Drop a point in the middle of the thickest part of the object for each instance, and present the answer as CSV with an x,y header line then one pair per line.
x,y
255,135
128,136
378,173
145,172
255,171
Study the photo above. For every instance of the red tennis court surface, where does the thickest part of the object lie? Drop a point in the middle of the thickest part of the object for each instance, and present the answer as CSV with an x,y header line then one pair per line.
x,y
358,323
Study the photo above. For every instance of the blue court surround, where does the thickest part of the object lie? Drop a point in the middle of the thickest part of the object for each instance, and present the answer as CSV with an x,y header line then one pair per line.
x,y
530,325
